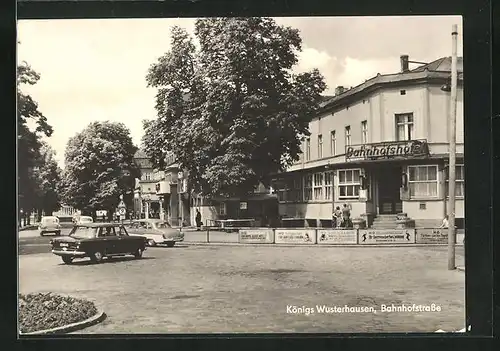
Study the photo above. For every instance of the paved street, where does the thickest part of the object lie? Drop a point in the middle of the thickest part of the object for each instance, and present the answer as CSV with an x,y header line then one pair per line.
x,y
189,289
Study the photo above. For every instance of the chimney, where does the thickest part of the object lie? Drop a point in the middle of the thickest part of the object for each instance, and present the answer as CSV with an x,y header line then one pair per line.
x,y
404,63
339,90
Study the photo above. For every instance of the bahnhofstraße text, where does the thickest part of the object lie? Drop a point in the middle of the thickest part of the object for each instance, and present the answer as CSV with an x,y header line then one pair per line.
x,y
326,309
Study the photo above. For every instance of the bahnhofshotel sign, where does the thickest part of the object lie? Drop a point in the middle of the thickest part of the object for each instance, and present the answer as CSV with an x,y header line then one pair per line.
x,y
411,148
328,236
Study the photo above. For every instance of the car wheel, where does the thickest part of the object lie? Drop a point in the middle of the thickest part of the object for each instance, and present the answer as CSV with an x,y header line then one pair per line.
x,y
67,259
97,257
41,233
151,242
138,253
171,244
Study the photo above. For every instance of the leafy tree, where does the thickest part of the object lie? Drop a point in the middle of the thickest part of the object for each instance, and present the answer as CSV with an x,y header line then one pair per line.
x,y
48,180
99,168
29,141
232,112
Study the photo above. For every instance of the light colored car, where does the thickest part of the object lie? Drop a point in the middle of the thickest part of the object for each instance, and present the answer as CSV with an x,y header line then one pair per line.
x,y
49,224
156,232
85,220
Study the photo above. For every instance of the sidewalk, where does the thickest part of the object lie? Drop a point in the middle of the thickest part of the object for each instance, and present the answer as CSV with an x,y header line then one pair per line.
x,y
28,227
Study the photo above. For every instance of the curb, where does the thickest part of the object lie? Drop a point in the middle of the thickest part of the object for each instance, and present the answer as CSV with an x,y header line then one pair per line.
x,y
306,245
28,227
99,317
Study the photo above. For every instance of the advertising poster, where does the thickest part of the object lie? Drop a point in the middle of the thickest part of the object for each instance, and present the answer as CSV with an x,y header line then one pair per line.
x,y
431,236
256,236
295,236
337,236
386,236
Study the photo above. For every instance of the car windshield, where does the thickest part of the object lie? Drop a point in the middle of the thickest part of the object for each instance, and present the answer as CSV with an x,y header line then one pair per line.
x,y
49,220
161,225
84,232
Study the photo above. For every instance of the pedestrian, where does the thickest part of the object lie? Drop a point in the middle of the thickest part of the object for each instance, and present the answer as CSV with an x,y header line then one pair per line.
x,y
337,216
103,217
198,220
346,216
444,223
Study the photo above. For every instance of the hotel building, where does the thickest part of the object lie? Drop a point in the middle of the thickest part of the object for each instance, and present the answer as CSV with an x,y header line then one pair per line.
x,y
382,148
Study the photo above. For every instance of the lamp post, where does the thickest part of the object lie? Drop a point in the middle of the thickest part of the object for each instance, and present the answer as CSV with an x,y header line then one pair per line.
x,y
452,150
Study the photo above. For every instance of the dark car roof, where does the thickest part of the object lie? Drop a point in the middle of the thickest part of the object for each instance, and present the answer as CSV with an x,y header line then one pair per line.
x,y
149,220
98,225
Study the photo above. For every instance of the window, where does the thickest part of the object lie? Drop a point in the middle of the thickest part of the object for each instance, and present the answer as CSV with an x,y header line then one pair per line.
x,y
146,176
297,185
402,92
348,136
295,189
364,132
333,143
459,181
349,183
222,208
422,181
404,126
328,185
318,186
308,183
320,146
308,149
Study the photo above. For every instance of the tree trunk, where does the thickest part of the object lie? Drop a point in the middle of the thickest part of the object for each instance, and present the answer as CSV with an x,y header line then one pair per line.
x,y
39,214
29,217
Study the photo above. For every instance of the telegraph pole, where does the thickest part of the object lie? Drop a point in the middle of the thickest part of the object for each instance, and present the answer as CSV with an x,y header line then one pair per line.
x,y
452,152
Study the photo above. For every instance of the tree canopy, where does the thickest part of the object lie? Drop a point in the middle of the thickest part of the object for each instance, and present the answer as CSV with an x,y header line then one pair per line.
x,y
29,141
99,167
48,180
231,111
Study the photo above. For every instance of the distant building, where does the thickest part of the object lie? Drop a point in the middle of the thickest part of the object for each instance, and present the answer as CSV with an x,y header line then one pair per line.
x,y
381,147
146,202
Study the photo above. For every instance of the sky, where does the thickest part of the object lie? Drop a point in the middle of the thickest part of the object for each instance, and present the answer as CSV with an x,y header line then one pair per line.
x,y
94,69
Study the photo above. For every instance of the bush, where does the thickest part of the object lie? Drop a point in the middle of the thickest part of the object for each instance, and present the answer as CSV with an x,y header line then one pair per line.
x,y
45,311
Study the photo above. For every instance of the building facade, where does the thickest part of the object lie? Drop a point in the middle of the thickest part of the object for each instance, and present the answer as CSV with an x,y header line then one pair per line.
x,y
146,202
382,148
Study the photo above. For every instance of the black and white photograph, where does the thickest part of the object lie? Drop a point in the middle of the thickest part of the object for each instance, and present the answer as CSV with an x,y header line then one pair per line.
x,y
241,175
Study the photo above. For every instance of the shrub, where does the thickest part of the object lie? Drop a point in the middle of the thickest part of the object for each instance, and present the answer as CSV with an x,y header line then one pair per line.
x,y
45,311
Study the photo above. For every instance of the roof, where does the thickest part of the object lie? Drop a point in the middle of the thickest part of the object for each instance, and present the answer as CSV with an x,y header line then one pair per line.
x,y
98,225
441,65
140,154
438,70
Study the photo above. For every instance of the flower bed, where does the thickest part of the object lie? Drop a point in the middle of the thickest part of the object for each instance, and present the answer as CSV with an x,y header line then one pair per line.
x,y
46,311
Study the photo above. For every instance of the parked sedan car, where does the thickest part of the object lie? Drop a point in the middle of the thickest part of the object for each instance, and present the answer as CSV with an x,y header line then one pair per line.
x,y
156,232
49,224
97,241
85,220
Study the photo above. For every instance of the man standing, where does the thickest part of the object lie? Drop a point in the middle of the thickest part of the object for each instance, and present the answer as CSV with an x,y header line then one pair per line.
x,y
198,220
346,214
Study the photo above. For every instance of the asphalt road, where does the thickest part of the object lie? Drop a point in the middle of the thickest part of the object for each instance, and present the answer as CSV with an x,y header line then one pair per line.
x,y
206,289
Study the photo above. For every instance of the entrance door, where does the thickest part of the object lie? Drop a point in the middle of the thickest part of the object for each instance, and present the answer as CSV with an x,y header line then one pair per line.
x,y
389,182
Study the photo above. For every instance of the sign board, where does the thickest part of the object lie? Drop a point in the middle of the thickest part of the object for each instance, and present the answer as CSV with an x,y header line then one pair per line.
x,y
258,236
295,236
121,204
431,236
460,239
122,217
386,236
122,211
363,194
243,205
396,149
337,236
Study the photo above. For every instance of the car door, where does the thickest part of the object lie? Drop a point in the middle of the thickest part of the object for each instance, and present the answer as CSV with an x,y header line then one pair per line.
x,y
128,244
111,240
